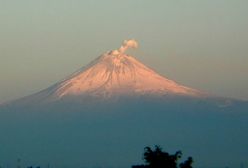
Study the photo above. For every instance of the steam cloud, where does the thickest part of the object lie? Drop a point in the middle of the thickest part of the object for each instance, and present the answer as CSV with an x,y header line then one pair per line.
x,y
125,45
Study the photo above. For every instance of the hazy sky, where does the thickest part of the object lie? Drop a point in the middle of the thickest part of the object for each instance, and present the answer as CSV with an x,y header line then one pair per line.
x,y
199,43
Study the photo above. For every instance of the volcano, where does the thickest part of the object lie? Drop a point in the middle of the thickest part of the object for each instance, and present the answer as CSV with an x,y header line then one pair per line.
x,y
115,74
121,74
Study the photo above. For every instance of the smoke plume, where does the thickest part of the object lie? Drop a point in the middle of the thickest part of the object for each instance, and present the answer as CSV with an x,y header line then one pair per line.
x,y
125,45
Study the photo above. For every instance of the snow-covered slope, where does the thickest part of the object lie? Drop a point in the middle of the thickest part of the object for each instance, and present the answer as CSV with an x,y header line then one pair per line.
x,y
115,73
122,74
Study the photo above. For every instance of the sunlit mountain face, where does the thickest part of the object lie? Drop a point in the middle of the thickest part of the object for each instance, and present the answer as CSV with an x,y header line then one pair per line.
x,y
104,114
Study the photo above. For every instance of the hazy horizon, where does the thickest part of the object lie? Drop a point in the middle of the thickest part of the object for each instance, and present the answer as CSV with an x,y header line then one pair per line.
x,y
200,44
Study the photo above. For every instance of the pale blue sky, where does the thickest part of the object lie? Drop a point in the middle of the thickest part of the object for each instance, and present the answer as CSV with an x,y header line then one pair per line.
x,y
199,43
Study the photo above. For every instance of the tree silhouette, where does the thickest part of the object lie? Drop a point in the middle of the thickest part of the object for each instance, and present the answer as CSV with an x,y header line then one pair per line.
x,y
158,159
